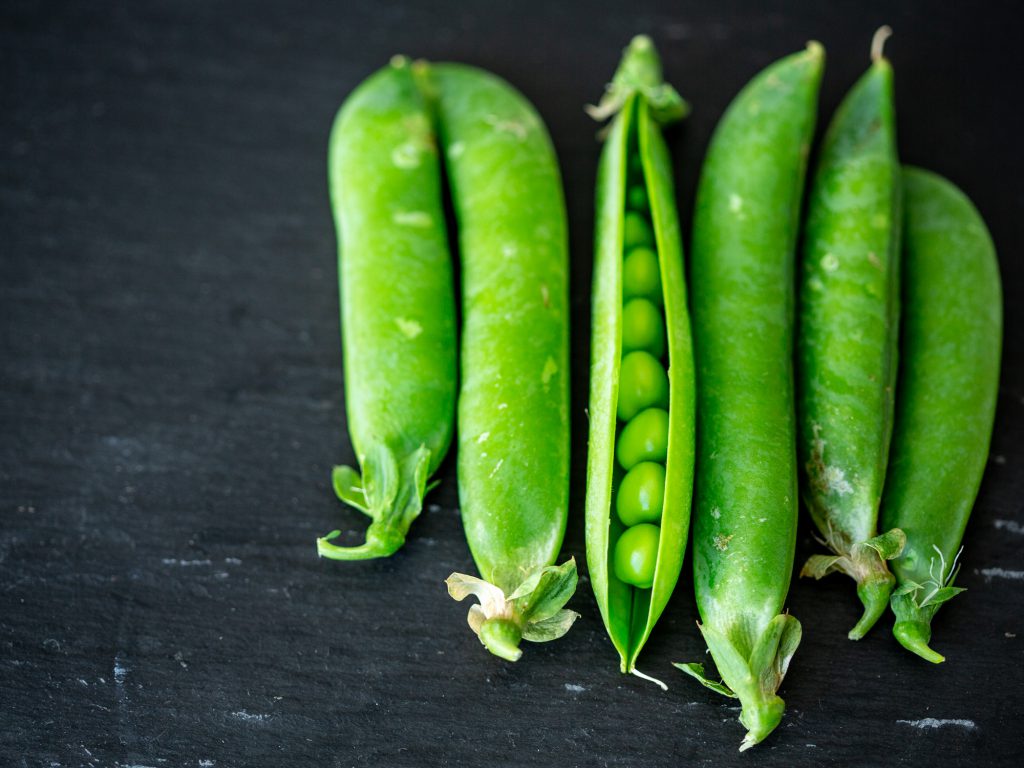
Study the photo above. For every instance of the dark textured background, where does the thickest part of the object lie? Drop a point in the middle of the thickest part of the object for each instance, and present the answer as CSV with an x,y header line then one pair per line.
x,y
171,403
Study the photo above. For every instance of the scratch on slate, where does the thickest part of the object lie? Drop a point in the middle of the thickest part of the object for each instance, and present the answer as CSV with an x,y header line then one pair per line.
x,y
1001,573
250,717
1009,525
932,722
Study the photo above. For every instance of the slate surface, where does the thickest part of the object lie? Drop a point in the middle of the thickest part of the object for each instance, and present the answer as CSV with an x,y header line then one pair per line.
x,y
171,403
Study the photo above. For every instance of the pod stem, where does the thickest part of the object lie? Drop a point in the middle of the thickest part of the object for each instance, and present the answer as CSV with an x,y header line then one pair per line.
x,y
389,491
882,34
532,611
865,563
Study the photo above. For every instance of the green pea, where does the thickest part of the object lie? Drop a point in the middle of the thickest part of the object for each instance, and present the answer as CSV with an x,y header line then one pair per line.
x,y
641,495
641,276
643,383
636,197
636,555
645,438
643,327
745,226
399,346
636,231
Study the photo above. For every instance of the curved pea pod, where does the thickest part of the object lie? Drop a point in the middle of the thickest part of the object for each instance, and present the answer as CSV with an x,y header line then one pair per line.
x,y
952,325
398,337
846,348
635,157
744,235
513,409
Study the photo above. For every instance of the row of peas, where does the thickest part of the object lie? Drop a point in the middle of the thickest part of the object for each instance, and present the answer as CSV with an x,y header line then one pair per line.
x,y
642,407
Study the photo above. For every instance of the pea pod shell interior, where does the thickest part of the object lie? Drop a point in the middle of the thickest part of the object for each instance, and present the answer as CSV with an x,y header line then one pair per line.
x,y
630,614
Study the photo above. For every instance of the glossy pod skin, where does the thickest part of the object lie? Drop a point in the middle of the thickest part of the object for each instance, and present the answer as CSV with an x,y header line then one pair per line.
x,y
846,345
744,235
513,409
641,103
398,336
952,324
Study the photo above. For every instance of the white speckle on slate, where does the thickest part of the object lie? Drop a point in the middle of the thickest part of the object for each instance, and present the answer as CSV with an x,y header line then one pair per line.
x,y
250,717
433,508
574,688
931,722
207,763
232,561
998,459
1001,573
1009,525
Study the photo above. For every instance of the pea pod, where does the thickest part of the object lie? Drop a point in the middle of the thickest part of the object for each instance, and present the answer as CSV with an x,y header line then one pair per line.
x,y
846,348
744,235
949,380
513,409
398,336
635,553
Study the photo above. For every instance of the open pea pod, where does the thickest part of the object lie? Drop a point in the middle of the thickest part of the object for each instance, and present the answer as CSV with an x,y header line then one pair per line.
x,y
640,322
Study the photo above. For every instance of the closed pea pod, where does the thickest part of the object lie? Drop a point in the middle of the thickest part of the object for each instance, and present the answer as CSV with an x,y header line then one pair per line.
x,y
513,454
641,447
951,335
398,337
744,235
846,354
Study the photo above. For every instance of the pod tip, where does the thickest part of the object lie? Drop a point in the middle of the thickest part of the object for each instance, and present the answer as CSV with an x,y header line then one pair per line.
x,y
882,34
815,49
760,720
641,42
501,637
399,61
914,636
874,595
